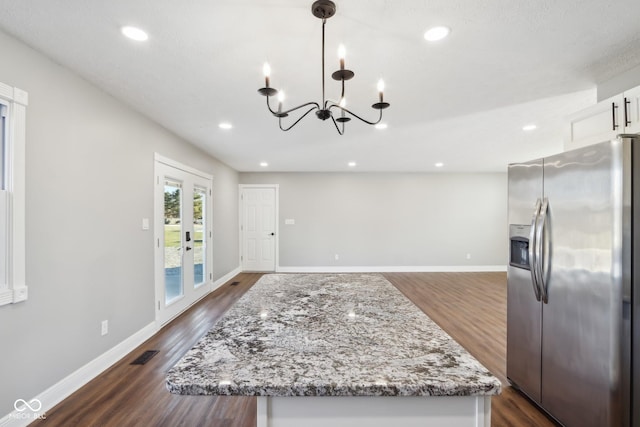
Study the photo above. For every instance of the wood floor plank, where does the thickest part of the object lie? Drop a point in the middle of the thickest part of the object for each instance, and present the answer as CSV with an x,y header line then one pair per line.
x,y
471,307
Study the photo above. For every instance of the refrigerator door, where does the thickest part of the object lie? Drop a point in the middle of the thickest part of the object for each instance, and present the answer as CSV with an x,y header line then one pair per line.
x,y
523,310
634,307
583,332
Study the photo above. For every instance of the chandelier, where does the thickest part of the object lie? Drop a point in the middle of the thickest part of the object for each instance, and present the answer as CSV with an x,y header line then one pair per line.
x,y
323,9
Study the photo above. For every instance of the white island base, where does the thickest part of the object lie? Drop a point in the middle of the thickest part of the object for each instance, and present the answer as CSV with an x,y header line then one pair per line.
x,y
374,411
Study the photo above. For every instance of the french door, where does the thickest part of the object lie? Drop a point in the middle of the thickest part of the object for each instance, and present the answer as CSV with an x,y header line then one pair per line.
x,y
182,237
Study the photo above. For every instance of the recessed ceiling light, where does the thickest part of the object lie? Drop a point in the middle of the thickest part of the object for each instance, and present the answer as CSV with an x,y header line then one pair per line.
x,y
528,128
439,165
352,164
436,33
135,33
381,126
264,164
225,125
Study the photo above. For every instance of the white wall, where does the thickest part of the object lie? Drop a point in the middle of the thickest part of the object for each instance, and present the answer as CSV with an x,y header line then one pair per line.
x,y
89,183
390,219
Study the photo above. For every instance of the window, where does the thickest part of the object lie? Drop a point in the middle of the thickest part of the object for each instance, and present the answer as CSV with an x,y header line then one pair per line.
x,y
13,103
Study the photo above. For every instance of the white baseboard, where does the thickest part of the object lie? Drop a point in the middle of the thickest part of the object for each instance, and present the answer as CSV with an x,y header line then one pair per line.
x,y
224,279
65,387
393,269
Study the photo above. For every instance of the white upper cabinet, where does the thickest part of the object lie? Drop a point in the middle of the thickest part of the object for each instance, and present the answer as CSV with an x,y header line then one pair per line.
x,y
604,121
632,98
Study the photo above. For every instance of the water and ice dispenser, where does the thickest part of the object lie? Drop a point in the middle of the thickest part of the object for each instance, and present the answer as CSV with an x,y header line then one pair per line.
x,y
519,245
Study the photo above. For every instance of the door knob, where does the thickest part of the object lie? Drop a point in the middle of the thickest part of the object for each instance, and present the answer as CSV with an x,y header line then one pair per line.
x,y
272,234
188,248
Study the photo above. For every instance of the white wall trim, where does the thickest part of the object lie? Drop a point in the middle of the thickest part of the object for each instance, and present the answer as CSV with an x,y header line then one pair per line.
x,y
68,385
224,279
14,207
393,269
175,164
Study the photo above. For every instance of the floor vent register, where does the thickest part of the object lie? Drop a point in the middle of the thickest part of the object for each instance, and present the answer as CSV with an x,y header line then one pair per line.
x,y
145,357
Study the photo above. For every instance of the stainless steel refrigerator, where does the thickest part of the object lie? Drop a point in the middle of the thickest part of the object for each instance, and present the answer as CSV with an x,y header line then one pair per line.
x,y
573,342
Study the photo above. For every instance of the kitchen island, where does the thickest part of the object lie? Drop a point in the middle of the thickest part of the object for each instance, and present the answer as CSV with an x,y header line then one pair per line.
x,y
339,350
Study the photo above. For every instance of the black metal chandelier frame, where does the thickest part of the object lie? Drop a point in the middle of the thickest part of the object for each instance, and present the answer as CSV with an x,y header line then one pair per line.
x,y
323,9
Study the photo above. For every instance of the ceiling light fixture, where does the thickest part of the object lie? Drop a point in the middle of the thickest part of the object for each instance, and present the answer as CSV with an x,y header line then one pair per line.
x,y
529,128
436,33
323,9
439,164
225,125
264,164
134,33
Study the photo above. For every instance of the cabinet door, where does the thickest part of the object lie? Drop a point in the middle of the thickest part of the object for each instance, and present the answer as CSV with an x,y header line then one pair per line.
x,y
632,98
598,123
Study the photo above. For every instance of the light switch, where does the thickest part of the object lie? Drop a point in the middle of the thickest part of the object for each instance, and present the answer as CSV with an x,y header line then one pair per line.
x,y
290,221
145,223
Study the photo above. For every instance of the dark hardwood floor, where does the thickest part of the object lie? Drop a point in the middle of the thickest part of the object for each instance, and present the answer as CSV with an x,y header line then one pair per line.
x,y
471,307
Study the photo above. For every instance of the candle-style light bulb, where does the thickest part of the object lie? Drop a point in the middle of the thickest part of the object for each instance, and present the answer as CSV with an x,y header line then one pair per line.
x,y
280,100
381,88
266,69
343,104
342,52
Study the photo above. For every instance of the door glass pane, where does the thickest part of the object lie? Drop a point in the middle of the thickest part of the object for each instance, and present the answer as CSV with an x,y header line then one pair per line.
x,y
172,240
199,248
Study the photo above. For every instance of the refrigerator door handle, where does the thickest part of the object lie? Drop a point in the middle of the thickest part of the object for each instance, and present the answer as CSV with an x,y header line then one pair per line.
x,y
542,252
533,265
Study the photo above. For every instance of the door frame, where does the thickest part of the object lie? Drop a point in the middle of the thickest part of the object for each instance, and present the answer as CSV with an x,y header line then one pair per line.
x,y
276,216
158,237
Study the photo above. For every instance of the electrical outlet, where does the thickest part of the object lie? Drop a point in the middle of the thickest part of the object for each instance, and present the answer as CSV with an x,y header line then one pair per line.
x,y
337,257
105,327
468,256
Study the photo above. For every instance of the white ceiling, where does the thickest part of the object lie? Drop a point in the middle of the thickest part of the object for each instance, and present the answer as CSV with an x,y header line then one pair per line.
x,y
462,101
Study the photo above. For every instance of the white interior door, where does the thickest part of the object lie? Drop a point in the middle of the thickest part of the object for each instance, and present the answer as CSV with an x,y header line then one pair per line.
x,y
182,238
258,227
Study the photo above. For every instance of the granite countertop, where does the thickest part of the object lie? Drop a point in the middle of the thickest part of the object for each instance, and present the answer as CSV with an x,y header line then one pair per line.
x,y
328,335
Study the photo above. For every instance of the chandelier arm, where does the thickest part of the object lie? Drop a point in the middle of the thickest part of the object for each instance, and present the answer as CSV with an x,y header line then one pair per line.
x,y
276,113
269,105
338,128
357,116
300,118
